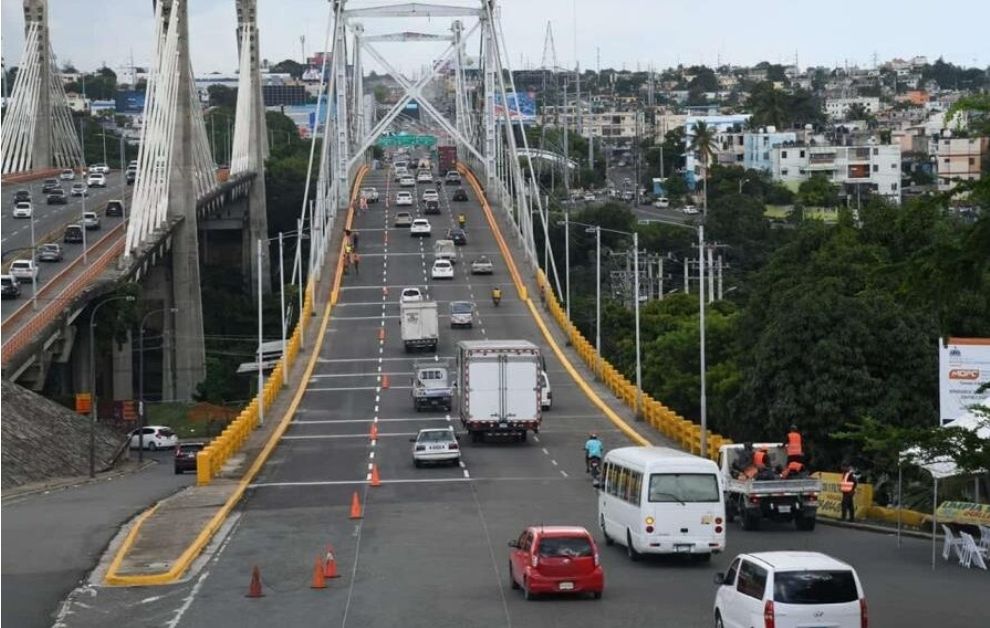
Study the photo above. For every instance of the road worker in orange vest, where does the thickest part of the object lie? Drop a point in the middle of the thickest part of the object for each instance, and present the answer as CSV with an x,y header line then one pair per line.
x,y
795,448
794,468
761,458
847,485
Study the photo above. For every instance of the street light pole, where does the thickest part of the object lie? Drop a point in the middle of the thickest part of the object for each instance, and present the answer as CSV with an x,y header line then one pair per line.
x,y
281,284
34,267
598,290
639,369
141,421
567,258
701,325
92,379
261,371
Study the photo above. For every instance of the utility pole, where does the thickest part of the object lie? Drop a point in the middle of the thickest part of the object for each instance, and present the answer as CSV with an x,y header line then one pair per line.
x,y
720,277
567,185
711,276
701,312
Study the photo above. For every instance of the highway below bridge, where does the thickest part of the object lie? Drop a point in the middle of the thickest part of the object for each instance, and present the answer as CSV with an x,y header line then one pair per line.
x,y
431,548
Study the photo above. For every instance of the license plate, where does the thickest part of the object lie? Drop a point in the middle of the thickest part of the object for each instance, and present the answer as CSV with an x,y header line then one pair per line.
x,y
783,508
503,425
566,586
682,548
438,447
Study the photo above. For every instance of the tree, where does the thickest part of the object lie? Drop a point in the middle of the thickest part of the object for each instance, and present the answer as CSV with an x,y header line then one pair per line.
x,y
288,66
818,191
222,96
768,106
704,146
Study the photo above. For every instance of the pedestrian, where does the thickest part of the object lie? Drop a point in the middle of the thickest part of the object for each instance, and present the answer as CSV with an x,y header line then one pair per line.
x,y
848,488
355,259
354,239
795,448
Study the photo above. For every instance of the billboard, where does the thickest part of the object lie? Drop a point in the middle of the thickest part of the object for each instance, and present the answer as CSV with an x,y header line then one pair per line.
x,y
522,106
130,101
963,367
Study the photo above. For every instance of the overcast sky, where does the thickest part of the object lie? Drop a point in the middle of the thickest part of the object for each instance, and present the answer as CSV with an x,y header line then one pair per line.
x,y
626,33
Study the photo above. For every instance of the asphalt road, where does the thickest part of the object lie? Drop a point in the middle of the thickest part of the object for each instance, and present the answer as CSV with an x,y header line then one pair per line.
x,y
52,540
51,219
431,548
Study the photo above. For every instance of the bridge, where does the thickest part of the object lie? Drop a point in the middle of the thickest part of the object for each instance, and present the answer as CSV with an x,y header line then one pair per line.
x,y
427,547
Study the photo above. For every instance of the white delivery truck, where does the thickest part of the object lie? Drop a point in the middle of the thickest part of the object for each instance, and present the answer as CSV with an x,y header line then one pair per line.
x,y
498,387
420,327
445,249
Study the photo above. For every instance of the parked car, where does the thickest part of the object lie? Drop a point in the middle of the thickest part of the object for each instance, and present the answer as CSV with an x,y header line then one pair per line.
x,y
555,559
57,197
459,195
462,313
24,269
185,456
442,269
589,197
403,198
10,288
50,252
482,266
689,210
23,209
403,219
661,202
73,234
154,437
410,295
21,196
435,445
114,208
91,221
49,185
789,589
420,227
96,180
67,175
79,189
457,235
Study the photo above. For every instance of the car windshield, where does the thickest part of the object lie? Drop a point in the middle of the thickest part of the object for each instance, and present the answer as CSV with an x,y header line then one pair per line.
x,y
568,547
460,307
814,587
683,487
191,447
435,436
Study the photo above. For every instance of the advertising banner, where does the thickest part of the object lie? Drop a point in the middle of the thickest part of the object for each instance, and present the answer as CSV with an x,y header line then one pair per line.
x,y
963,367
521,107
964,512
830,499
129,101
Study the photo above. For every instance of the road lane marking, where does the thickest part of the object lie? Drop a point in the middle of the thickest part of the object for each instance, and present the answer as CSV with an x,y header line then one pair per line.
x,y
301,484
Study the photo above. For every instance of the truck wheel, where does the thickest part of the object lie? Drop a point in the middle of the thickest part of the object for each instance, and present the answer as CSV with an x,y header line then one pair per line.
x,y
630,550
522,437
750,520
608,540
804,523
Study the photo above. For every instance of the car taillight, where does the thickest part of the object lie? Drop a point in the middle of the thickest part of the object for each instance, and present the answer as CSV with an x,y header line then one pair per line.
x,y
718,521
754,499
768,621
811,497
649,529
534,560
718,529
864,614
420,447
452,446
596,559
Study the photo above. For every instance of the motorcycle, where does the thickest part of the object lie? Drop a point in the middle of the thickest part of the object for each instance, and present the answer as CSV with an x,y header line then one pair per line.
x,y
595,464
496,297
461,219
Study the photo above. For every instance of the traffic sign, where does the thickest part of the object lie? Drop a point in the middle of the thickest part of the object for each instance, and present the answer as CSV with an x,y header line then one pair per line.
x,y
391,141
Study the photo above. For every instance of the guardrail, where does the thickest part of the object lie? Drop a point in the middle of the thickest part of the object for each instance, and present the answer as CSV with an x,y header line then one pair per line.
x,y
22,336
211,459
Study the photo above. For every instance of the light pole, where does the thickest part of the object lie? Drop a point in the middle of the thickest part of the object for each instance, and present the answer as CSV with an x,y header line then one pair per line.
x,y
92,378
567,257
85,190
34,267
144,319
261,370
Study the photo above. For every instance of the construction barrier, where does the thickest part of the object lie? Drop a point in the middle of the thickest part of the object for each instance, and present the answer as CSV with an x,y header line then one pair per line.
x,y
672,425
211,459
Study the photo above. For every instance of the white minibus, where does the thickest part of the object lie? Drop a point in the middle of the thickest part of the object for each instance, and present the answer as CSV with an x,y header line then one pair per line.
x,y
657,500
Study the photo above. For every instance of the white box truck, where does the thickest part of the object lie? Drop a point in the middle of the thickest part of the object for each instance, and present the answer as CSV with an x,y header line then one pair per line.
x,y
420,327
498,388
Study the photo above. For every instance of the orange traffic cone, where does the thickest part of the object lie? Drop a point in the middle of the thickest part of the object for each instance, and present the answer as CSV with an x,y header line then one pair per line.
x,y
330,565
374,431
375,480
319,580
385,381
355,506
254,590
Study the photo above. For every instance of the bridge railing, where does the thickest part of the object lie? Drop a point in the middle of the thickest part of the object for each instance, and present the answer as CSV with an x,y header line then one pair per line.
x,y
682,431
212,458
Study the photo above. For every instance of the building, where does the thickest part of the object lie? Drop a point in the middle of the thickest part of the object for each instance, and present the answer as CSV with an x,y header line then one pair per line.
x,y
958,159
758,145
666,122
606,125
876,167
77,102
276,95
838,108
728,138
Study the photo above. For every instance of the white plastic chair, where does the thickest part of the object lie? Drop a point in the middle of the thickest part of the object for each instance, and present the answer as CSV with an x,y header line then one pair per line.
x,y
952,542
971,552
984,537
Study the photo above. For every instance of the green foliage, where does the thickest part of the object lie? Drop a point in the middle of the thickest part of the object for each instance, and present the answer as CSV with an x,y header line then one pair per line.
x,y
289,66
774,107
950,76
222,96
96,137
818,191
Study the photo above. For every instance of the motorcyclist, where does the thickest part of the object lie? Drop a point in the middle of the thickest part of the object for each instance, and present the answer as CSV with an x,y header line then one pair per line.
x,y
461,219
496,295
593,448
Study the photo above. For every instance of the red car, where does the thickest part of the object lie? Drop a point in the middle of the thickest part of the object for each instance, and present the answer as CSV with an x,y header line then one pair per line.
x,y
555,559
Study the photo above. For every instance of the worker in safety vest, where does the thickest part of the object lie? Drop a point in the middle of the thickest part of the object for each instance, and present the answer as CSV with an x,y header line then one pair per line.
x,y
794,468
795,450
847,485
761,458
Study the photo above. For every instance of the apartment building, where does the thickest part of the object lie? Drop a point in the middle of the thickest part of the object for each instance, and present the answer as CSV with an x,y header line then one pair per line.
x,y
612,124
876,166
838,108
728,131
758,145
958,159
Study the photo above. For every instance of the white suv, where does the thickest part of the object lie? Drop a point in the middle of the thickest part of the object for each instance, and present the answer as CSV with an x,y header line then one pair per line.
x,y
420,227
787,590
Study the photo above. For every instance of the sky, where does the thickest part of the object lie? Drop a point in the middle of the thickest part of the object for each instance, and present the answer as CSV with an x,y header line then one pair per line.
x,y
626,34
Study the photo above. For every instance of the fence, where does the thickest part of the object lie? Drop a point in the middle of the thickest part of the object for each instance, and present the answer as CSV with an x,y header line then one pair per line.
x,y
211,459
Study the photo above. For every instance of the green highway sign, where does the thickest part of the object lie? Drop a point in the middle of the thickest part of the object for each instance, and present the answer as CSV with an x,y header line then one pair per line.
x,y
389,141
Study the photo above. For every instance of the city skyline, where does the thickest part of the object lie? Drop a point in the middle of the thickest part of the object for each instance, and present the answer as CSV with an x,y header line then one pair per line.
x,y
662,37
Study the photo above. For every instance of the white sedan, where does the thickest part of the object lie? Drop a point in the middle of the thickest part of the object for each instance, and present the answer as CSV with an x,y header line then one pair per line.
x,y
420,227
154,437
403,198
424,176
690,210
411,295
67,175
431,195
96,180
23,210
442,269
436,445
407,182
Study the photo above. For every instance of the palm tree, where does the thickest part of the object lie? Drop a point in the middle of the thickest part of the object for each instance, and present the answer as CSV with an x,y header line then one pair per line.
x,y
704,146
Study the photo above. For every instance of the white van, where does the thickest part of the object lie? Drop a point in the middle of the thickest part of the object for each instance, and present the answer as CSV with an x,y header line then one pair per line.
x,y
657,500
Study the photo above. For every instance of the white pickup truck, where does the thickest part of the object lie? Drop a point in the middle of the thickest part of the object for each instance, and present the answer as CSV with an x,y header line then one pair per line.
x,y
767,496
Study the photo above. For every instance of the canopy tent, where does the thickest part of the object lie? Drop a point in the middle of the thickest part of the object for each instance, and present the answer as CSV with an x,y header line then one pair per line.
x,y
940,467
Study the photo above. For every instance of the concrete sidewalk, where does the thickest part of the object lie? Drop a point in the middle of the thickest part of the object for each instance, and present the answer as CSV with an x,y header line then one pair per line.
x,y
168,533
